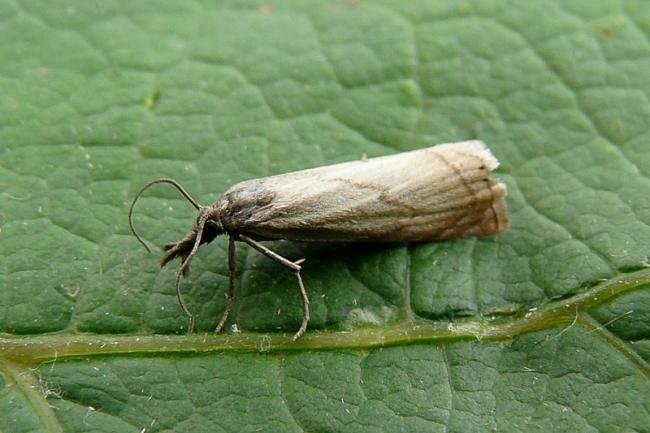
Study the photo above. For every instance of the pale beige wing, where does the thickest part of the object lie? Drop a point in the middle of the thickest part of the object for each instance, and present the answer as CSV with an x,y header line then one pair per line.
x,y
435,193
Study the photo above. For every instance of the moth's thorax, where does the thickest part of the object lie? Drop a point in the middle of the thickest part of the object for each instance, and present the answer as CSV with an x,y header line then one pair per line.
x,y
226,213
242,203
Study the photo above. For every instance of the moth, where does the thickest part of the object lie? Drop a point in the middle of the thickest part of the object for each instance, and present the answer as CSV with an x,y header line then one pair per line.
x,y
432,194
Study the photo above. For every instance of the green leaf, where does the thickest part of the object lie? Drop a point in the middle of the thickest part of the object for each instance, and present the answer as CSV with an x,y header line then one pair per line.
x,y
544,328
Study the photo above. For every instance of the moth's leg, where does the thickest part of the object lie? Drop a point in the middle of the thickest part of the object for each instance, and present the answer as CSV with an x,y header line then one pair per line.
x,y
232,270
295,268
181,301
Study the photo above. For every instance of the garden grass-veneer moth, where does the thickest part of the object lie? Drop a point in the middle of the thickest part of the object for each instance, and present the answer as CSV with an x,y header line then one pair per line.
x,y
431,194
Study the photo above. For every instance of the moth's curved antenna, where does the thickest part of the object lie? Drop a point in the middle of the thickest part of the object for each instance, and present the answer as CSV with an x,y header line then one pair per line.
x,y
147,186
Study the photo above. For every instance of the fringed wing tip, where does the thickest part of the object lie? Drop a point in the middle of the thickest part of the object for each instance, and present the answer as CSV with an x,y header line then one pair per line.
x,y
501,215
471,147
478,147
499,221
490,160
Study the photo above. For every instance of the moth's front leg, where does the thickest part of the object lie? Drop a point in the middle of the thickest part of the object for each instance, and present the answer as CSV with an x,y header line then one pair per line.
x,y
232,271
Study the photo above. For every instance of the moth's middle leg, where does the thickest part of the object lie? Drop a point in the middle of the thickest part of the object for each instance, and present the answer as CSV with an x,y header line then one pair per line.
x,y
295,268
232,270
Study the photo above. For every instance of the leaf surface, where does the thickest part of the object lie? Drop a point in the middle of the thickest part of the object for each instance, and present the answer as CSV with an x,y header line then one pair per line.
x,y
544,328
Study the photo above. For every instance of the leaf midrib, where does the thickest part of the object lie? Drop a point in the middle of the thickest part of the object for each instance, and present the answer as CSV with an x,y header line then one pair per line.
x,y
32,350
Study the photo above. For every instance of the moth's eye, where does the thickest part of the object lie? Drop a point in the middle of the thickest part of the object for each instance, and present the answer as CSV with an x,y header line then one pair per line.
x,y
212,224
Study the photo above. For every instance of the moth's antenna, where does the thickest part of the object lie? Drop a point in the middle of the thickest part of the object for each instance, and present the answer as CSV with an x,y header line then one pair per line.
x,y
147,186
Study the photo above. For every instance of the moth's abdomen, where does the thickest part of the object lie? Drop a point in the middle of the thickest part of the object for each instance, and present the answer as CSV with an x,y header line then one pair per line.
x,y
436,193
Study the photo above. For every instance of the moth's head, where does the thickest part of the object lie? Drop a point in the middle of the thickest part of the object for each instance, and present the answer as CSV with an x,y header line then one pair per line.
x,y
212,221
208,226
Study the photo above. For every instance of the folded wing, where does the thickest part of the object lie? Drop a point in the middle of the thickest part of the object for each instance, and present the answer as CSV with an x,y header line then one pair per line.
x,y
435,193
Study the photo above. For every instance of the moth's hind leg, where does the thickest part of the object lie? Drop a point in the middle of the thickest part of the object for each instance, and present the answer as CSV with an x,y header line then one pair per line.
x,y
295,268
232,270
